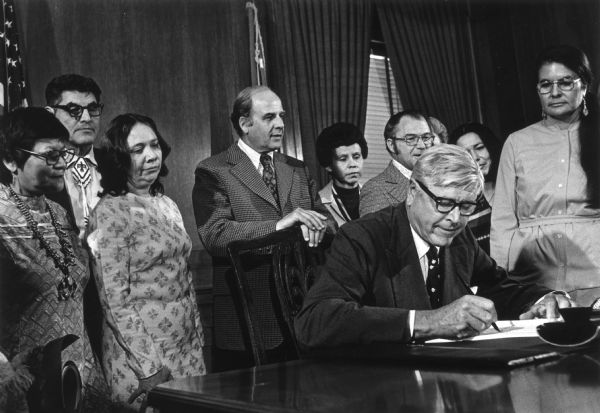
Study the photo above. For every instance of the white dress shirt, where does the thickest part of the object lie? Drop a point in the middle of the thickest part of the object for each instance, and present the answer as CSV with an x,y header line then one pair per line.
x,y
254,156
403,169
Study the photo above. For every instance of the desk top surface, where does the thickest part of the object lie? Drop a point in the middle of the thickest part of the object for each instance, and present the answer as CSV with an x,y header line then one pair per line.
x,y
570,384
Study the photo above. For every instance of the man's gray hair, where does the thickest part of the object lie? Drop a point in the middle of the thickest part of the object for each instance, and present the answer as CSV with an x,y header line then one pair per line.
x,y
449,166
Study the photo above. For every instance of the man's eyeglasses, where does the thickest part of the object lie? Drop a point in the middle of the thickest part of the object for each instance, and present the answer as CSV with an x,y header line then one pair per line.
x,y
445,205
412,139
565,84
75,110
52,157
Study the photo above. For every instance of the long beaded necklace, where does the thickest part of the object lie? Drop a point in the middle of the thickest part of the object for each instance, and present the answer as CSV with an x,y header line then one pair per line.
x,y
67,286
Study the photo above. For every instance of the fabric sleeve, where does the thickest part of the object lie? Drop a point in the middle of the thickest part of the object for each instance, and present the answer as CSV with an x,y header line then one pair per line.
x,y
368,199
318,205
511,297
504,209
337,308
110,241
216,224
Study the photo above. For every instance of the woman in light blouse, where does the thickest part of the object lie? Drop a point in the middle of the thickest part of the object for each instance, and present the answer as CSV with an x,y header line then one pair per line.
x,y
545,216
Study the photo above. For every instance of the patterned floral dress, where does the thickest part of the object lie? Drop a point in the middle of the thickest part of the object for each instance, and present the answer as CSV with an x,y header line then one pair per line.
x,y
31,314
139,249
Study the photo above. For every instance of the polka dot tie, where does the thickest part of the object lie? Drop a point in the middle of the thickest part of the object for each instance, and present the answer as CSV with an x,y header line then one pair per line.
x,y
269,175
435,279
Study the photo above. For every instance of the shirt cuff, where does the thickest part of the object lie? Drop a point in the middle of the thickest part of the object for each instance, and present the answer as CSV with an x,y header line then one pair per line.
x,y
411,324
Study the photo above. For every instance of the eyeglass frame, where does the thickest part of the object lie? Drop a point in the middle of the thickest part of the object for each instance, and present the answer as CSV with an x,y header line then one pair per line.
x,y
82,108
438,199
428,144
44,155
557,83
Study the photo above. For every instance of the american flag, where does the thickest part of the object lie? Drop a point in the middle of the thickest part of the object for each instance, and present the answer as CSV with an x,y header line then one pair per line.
x,y
13,90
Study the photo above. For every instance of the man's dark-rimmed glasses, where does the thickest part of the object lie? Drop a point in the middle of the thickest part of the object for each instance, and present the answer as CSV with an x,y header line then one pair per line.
x,y
445,205
75,111
413,139
52,157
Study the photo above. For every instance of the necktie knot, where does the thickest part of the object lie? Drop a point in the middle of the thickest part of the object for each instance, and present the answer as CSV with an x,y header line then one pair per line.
x,y
265,160
432,255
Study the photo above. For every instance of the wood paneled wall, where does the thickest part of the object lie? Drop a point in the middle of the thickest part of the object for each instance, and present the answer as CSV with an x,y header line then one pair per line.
x,y
181,62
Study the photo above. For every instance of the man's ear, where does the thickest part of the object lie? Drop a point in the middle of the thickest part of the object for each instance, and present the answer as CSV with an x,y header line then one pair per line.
x,y
389,143
50,109
245,123
328,169
10,165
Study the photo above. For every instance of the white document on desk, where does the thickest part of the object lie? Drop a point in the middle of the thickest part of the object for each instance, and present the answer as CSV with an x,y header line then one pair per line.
x,y
509,329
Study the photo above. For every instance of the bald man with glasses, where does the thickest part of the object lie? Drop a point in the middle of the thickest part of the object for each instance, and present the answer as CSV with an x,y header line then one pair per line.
x,y
407,134
405,273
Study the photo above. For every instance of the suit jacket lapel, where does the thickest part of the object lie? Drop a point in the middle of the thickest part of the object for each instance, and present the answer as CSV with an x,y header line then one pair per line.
x,y
284,174
404,263
398,181
454,265
246,172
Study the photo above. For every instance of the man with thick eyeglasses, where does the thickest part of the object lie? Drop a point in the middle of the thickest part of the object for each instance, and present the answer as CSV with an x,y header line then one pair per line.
x,y
405,273
75,101
407,134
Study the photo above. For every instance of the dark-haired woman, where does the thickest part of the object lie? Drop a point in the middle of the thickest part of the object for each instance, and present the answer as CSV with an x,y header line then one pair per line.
x,y
140,250
484,147
545,217
43,267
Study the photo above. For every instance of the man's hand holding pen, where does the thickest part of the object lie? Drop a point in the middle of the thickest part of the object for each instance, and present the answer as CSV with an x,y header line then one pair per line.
x,y
466,317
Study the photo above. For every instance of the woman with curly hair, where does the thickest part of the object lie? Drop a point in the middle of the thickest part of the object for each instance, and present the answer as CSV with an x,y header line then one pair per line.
x,y
139,250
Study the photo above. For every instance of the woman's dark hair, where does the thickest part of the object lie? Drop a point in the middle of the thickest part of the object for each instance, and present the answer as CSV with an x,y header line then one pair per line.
x,y
589,129
114,159
22,128
336,135
491,142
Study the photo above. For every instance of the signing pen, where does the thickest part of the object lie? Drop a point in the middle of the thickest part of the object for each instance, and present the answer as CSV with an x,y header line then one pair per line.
x,y
469,291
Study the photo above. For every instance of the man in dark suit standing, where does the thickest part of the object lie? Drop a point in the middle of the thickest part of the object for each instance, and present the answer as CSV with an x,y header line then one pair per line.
x,y
75,102
405,272
248,191
407,134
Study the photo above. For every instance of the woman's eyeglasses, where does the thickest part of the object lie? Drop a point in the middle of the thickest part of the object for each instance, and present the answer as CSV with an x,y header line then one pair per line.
x,y
52,157
565,84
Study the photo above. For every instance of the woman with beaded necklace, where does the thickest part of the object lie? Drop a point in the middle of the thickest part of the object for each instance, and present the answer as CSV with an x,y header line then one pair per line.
x,y
43,267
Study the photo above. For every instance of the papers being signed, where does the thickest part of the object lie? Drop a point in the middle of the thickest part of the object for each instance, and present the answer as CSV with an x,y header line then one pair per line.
x,y
509,329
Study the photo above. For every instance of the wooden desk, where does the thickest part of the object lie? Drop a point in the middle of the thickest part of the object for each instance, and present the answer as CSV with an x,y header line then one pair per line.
x,y
571,384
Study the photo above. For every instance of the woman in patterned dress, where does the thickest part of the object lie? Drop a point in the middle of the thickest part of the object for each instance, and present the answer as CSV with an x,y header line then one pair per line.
x,y
43,267
139,250
485,148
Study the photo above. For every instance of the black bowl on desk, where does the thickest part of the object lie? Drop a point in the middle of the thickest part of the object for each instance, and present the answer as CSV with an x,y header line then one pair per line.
x,y
576,330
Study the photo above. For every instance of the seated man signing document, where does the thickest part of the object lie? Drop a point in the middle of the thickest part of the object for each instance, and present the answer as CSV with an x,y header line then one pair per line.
x,y
403,273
